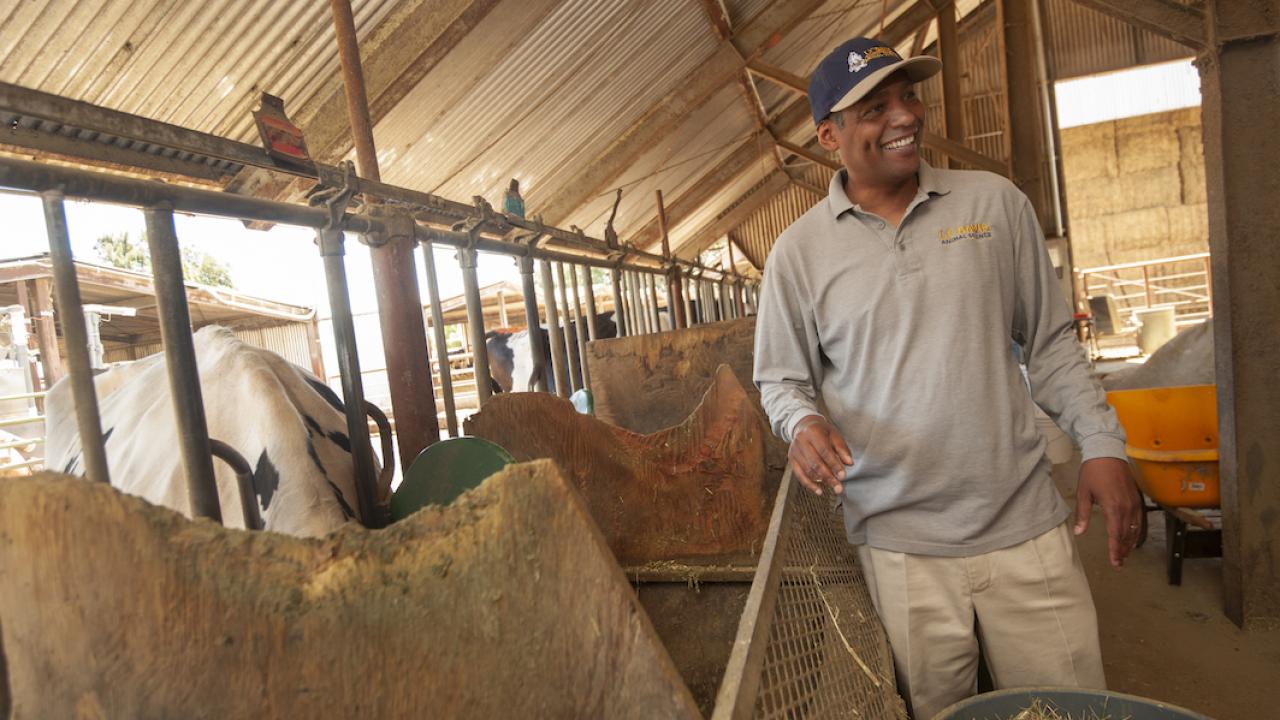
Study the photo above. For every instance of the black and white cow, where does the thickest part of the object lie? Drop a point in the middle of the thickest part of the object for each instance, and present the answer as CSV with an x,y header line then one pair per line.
x,y
288,425
511,354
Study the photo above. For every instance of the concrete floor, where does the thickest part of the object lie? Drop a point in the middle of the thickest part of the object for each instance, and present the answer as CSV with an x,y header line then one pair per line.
x,y
1173,643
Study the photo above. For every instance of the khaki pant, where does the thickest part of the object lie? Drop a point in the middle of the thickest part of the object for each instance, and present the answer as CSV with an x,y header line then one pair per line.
x,y
1030,603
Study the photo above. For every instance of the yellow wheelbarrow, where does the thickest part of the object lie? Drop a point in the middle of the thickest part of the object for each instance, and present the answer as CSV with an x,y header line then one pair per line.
x,y
1173,447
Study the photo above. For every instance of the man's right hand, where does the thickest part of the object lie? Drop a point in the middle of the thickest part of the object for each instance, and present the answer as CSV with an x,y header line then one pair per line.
x,y
819,455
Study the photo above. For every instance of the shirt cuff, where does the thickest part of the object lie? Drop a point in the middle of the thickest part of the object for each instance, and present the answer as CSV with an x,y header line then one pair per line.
x,y
1102,445
795,420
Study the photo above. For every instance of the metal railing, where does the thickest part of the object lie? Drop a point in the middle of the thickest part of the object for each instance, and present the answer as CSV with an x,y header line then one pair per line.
x,y
402,216
21,459
1184,282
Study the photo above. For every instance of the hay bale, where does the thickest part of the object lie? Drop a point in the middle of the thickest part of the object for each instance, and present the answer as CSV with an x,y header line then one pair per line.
x,y
1145,142
1088,152
505,604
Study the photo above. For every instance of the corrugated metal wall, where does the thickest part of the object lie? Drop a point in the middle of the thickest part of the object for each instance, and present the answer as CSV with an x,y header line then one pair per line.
x,y
1085,42
757,234
289,341
1079,42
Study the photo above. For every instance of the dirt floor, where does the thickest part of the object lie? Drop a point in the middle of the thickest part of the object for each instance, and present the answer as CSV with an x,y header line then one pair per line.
x,y
1174,643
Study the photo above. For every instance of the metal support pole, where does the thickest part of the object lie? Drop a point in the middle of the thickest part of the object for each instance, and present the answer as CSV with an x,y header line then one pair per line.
x,y
475,323
180,363
67,289
536,341
332,250
244,482
570,343
638,306
442,343
726,309
652,282
579,329
404,339
592,331
558,359
686,296
619,316
675,287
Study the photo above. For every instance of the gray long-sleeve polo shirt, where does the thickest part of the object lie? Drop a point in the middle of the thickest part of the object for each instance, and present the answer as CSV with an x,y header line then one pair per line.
x,y
906,335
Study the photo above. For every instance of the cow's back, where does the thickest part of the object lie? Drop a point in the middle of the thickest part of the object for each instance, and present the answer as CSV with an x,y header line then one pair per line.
x,y
255,401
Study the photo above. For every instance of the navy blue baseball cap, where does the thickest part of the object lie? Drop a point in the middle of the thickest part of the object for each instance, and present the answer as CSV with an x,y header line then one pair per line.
x,y
855,68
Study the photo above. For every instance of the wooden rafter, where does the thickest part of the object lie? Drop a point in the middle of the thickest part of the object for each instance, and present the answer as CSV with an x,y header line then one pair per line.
x,y
597,174
1180,23
774,183
712,182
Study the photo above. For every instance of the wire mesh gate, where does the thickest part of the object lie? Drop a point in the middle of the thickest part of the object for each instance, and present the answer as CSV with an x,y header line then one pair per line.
x,y
810,644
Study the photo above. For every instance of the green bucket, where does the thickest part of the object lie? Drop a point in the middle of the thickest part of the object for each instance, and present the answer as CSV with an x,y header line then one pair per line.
x,y
1069,702
444,471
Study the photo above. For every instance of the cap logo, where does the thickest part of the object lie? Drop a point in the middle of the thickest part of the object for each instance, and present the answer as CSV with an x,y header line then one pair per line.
x,y
856,62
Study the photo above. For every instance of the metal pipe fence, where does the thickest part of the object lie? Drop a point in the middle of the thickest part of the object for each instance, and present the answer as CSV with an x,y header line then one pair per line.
x,y
1184,282
634,274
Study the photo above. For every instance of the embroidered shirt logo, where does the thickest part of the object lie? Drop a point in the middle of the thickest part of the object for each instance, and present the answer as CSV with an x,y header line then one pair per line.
x,y
856,62
974,231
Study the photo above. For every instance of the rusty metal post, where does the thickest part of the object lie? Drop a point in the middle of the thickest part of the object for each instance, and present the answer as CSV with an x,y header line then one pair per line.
x,y
652,282
686,296
404,339
333,250
579,331
619,317
467,258
675,286
536,345
558,360
570,343
592,331
637,309
442,343
180,363
67,288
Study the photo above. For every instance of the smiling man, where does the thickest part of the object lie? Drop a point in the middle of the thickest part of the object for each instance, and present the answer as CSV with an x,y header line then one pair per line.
x,y
884,355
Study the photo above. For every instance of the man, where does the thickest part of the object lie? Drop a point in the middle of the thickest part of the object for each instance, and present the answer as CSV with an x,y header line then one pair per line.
x,y
884,356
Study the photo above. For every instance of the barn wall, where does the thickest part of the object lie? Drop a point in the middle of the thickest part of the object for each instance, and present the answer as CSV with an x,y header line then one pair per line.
x,y
1136,188
288,340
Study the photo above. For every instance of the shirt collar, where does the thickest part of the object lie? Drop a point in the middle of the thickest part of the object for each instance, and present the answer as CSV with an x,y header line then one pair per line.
x,y
931,183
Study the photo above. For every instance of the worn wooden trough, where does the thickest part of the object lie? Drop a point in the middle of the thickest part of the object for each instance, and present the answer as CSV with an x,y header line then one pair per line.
x,y
667,574
762,618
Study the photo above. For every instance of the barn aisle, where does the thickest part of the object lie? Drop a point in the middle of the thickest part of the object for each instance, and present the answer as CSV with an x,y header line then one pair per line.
x,y
1175,643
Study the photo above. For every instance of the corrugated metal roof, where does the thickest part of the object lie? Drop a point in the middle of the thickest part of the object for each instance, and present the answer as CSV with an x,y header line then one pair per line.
x,y
534,91
730,195
1085,42
757,235
568,88
201,65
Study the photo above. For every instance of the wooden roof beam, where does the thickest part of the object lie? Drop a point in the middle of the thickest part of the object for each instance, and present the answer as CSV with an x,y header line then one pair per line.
x,y
712,182
598,174
705,236
1180,23
906,24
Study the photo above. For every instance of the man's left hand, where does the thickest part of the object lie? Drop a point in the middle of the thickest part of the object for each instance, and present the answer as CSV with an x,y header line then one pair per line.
x,y
1106,481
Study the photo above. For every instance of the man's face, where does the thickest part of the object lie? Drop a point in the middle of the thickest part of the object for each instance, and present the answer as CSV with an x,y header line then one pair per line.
x,y
880,140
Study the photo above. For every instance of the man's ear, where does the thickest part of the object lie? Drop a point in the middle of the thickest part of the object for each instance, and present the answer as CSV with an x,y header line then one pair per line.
x,y
827,136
